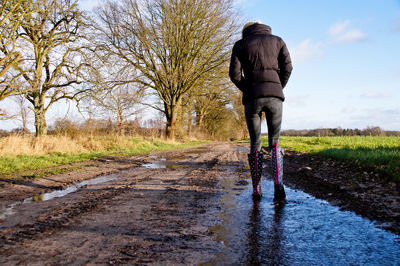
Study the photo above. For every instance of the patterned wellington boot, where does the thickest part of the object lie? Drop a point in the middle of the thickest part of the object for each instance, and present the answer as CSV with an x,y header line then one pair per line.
x,y
255,162
277,166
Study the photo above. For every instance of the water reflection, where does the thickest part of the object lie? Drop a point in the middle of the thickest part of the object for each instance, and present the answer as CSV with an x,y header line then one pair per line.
x,y
277,228
264,240
164,163
254,234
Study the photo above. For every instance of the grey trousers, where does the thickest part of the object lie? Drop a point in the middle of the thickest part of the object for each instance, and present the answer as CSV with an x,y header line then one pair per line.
x,y
273,111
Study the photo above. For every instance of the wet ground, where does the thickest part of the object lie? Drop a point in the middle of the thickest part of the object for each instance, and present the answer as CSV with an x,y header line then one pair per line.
x,y
304,231
183,207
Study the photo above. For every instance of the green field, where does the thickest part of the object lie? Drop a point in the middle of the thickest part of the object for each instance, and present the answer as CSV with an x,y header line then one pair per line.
x,y
381,154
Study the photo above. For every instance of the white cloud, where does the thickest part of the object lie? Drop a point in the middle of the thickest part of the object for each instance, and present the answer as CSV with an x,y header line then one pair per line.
x,y
375,95
342,32
352,35
305,51
88,4
338,28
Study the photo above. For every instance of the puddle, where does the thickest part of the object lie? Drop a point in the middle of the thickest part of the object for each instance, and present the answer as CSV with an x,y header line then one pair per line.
x,y
164,163
57,193
305,231
7,211
68,190
246,149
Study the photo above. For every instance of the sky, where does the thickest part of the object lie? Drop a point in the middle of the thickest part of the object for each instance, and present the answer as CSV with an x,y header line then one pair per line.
x,y
346,61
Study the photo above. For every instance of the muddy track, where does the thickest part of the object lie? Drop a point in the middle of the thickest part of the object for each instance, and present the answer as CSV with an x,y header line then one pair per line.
x,y
161,208
143,216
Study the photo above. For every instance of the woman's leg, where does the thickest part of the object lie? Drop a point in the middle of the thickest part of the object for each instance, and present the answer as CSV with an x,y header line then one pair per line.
x,y
253,120
273,110
273,113
252,113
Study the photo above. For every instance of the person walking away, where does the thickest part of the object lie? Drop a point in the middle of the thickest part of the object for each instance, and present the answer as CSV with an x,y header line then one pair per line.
x,y
260,67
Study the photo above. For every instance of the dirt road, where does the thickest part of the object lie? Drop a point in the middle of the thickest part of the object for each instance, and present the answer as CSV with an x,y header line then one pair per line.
x,y
144,215
162,208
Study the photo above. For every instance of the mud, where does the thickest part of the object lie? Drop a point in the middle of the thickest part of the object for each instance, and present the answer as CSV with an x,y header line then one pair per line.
x,y
186,207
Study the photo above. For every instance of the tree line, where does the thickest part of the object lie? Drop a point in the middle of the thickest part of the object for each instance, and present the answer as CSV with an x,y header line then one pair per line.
x,y
324,132
170,55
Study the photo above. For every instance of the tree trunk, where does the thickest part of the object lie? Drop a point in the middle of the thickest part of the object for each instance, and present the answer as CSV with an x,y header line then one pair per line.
x,y
23,112
121,130
170,125
189,120
40,120
199,119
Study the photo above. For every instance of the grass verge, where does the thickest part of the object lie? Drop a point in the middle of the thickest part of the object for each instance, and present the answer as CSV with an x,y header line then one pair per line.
x,y
51,153
380,154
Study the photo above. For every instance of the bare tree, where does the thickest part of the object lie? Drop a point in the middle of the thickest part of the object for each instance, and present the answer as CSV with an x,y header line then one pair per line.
x,y
172,43
210,92
51,43
239,117
121,101
23,113
113,93
186,118
11,15
217,107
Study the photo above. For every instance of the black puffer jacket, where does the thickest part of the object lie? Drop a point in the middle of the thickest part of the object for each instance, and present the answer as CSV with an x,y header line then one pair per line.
x,y
260,64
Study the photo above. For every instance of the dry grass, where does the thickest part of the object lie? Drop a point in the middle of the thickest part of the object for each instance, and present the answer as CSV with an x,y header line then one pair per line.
x,y
29,145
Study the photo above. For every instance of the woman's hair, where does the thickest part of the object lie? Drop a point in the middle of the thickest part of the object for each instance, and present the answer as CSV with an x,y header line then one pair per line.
x,y
248,24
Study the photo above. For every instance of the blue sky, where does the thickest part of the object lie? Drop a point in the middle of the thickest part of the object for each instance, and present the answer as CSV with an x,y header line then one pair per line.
x,y
346,60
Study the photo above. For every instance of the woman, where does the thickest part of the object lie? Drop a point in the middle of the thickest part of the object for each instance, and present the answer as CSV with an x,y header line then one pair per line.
x,y
260,67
